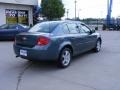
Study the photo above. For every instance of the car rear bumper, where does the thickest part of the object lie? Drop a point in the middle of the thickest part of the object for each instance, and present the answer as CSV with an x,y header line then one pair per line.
x,y
36,53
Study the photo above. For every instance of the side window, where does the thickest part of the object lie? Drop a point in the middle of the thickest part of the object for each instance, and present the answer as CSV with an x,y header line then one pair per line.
x,y
12,26
58,30
65,29
73,28
61,29
85,28
80,29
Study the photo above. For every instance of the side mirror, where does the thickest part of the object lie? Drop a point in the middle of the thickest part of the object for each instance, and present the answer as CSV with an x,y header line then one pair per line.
x,y
96,28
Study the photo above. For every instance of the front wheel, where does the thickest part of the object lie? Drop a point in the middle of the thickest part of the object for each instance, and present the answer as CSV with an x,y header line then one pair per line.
x,y
64,58
98,46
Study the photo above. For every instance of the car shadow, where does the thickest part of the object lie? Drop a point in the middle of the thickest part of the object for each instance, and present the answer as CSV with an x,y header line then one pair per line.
x,y
79,56
52,65
48,66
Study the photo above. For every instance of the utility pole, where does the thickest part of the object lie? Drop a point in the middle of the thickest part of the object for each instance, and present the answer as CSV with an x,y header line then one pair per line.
x,y
67,13
79,13
75,9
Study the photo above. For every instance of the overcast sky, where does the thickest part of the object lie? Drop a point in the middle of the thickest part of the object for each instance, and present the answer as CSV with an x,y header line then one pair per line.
x,y
91,8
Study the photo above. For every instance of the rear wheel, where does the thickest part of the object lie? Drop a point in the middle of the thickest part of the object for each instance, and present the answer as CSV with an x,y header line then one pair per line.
x,y
98,46
64,58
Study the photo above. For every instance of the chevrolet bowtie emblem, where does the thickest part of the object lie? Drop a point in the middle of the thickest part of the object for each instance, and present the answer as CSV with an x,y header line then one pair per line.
x,y
24,38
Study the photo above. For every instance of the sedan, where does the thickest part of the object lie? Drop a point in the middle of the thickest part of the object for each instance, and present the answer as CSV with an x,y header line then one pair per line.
x,y
56,40
8,31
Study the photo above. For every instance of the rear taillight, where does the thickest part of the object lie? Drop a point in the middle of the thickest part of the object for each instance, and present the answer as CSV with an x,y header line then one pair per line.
x,y
43,41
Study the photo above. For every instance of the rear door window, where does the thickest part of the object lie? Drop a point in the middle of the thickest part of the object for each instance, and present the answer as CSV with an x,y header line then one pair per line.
x,y
61,29
12,26
73,28
65,29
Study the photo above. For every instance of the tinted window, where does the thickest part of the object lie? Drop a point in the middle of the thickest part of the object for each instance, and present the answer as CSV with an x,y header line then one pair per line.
x,y
65,29
46,27
85,28
58,30
24,26
80,29
73,28
12,26
61,29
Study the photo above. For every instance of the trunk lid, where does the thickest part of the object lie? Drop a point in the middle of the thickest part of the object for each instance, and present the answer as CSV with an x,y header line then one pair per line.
x,y
29,39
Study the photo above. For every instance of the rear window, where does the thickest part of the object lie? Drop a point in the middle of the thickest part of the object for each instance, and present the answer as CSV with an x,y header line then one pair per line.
x,y
46,27
73,28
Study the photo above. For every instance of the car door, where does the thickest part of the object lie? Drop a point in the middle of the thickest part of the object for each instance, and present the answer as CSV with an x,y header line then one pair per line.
x,y
22,29
75,37
89,38
13,29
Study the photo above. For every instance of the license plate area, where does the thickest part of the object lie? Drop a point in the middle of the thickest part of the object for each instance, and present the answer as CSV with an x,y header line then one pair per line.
x,y
23,52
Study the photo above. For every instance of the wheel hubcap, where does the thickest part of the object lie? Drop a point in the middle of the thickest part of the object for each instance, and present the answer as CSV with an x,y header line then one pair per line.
x,y
66,57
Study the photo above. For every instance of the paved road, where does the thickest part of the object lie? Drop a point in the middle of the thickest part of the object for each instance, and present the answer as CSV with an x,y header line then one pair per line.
x,y
90,71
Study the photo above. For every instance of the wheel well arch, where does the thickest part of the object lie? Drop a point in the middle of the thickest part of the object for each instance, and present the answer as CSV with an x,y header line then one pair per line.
x,y
67,46
100,40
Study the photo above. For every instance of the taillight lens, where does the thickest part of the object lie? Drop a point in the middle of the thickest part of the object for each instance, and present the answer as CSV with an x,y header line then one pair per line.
x,y
43,41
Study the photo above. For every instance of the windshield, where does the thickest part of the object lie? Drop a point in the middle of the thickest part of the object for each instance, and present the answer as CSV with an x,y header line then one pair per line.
x,y
5,26
46,27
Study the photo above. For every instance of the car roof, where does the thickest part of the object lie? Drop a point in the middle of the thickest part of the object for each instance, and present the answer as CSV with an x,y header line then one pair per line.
x,y
64,21
14,24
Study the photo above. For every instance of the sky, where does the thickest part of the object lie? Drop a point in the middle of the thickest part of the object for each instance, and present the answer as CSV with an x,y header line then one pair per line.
x,y
90,8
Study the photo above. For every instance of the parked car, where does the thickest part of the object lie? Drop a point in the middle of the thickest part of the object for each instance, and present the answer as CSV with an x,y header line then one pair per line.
x,y
8,31
56,40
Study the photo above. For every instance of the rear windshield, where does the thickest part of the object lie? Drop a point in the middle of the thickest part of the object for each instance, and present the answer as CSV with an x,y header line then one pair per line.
x,y
46,27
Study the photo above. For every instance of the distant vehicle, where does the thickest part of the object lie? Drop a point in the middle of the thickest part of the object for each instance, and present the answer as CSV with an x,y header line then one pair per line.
x,y
56,40
9,31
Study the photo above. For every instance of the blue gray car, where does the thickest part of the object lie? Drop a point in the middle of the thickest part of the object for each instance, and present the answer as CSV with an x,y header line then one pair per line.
x,y
56,40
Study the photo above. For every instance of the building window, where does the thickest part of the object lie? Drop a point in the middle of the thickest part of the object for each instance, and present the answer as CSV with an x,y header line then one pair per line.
x,y
11,16
16,16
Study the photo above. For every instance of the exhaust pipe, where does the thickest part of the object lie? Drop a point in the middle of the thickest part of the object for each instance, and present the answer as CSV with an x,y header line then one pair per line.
x,y
17,56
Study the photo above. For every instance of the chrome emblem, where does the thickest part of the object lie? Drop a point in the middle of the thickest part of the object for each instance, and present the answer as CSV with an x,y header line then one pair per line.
x,y
24,38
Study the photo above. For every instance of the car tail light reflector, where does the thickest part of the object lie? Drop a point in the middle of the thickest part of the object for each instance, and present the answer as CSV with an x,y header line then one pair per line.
x,y
43,41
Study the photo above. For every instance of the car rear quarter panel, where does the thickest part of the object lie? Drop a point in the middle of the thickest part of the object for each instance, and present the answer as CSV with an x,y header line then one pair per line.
x,y
59,42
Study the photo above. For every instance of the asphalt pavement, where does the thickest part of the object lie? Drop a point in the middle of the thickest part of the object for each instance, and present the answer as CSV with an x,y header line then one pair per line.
x,y
89,71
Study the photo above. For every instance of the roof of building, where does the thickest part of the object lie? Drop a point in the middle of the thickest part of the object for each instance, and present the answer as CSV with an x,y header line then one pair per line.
x,y
23,2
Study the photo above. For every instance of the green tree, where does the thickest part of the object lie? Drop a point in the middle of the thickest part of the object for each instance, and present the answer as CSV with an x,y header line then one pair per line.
x,y
52,9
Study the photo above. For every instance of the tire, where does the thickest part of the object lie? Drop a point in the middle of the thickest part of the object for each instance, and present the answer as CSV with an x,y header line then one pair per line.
x,y
64,58
98,46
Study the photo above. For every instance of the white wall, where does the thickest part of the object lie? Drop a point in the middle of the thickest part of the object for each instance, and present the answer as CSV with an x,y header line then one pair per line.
x,y
24,2
16,7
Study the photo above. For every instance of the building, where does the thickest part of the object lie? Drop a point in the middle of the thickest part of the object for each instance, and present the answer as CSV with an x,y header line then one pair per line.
x,y
17,11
